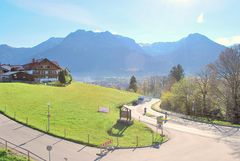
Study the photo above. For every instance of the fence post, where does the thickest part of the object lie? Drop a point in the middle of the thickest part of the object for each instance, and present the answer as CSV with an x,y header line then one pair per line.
x,y
137,140
152,137
6,145
117,141
88,138
28,155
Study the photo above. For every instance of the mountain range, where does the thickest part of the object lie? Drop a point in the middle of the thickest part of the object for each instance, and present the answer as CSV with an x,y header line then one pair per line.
x,y
105,54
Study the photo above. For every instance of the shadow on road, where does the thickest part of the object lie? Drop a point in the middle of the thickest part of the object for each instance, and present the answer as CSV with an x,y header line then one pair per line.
x,y
223,131
18,127
38,136
82,148
235,146
57,142
100,156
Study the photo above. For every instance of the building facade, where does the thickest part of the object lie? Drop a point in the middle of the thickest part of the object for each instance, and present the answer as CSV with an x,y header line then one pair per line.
x,y
18,76
43,70
39,70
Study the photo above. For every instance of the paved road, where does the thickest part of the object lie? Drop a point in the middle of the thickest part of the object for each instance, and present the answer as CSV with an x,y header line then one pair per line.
x,y
37,142
187,126
187,142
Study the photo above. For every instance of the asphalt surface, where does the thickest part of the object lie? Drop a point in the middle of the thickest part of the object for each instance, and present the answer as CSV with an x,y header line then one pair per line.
x,y
189,141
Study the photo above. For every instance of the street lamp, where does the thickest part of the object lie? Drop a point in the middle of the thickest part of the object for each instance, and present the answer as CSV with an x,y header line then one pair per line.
x,y
48,116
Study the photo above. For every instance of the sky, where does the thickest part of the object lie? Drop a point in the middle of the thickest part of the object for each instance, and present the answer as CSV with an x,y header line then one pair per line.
x,y
26,23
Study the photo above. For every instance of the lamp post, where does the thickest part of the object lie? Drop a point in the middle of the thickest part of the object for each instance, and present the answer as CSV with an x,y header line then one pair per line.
x,y
48,117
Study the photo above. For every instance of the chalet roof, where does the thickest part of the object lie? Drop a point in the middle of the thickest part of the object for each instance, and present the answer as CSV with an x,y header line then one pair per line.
x,y
35,62
56,63
1,68
17,67
5,67
125,107
10,73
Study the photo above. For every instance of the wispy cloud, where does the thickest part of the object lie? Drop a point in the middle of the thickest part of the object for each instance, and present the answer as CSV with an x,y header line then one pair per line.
x,y
228,41
59,9
200,18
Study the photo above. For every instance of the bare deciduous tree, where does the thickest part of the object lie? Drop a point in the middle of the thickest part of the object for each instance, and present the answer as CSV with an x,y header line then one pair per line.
x,y
205,81
227,68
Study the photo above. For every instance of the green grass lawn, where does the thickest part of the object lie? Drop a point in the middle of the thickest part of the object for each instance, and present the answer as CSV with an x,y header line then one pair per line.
x,y
75,109
8,156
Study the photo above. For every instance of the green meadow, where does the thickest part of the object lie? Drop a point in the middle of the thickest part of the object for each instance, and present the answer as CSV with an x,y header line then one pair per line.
x,y
74,112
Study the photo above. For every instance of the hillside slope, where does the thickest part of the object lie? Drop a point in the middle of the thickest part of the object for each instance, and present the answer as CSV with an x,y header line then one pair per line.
x,y
75,109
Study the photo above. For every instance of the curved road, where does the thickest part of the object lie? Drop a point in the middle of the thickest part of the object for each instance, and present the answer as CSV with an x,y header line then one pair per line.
x,y
189,141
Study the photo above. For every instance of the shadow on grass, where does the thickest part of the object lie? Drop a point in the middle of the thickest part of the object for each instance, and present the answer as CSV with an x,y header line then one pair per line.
x,y
118,129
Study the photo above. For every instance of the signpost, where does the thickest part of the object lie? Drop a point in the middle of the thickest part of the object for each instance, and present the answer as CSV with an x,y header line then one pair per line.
x,y
49,148
166,117
160,123
145,110
160,120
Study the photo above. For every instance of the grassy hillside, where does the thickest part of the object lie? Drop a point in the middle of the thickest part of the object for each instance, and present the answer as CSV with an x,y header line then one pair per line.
x,y
74,108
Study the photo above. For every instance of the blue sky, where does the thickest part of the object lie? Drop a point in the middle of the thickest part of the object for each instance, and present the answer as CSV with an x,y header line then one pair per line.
x,y
26,23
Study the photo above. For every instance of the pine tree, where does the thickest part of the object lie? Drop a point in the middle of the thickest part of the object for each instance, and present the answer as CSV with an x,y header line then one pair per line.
x,y
133,84
177,72
61,77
